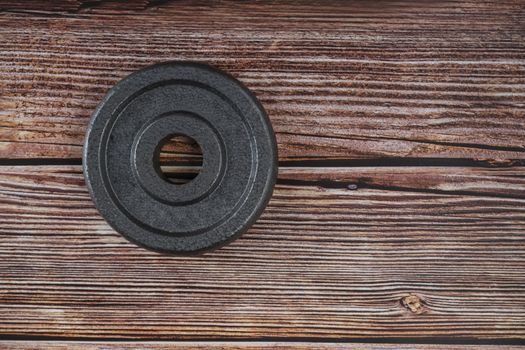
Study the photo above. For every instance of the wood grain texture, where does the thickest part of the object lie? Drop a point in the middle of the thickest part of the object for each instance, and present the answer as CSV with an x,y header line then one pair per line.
x,y
341,80
39,6
324,261
58,345
36,5
422,239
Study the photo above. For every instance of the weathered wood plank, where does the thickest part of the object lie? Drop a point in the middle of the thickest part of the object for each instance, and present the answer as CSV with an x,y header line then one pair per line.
x,y
77,5
505,182
38,5
323,261
56,345
345,79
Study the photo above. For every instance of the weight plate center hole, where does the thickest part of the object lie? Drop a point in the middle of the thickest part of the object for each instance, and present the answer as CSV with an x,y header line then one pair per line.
x,y
179,159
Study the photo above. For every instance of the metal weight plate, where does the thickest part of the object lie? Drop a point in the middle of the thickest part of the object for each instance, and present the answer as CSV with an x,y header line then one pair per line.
x,y
121,166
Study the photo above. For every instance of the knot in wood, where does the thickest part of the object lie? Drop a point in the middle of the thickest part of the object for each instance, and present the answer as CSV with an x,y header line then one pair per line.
x,y
413,303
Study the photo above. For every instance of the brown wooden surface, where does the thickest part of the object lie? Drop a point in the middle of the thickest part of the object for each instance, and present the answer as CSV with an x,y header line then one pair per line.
x,y
340,80
17,345
399,213
323,261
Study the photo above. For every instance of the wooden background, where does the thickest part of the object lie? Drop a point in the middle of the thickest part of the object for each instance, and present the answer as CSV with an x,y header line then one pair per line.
x,y
398,219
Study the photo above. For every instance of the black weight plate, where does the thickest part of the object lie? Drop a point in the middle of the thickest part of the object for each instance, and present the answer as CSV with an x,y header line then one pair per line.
x,y
239,157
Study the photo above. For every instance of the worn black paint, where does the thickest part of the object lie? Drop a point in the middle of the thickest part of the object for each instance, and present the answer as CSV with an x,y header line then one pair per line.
x,y
239,150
